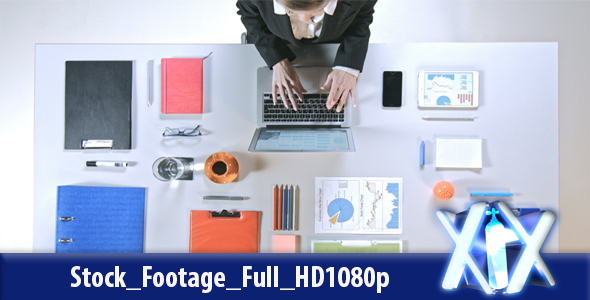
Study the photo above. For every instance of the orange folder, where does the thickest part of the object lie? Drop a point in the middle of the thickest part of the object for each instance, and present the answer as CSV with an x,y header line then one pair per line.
x,y
224,231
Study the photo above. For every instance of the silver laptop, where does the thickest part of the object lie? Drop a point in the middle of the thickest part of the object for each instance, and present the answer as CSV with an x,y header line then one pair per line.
x,y
312,128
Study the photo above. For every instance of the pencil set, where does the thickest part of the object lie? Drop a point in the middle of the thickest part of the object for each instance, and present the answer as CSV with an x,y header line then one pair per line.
x,y
284,207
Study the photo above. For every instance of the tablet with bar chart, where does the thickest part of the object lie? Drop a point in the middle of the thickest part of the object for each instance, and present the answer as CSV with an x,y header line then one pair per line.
x,y
448,89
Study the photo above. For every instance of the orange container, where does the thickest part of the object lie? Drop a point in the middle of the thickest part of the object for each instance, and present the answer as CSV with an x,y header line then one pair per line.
x,y
221,167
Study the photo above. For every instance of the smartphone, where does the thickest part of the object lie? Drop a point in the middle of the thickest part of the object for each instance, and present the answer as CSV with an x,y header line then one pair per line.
x,y
392,89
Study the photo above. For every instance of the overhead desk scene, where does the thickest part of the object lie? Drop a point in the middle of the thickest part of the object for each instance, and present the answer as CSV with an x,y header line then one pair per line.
x,y
304,138
294,147
187,153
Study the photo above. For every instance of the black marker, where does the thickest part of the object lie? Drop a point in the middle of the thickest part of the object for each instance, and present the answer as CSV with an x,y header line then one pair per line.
x,y
106,164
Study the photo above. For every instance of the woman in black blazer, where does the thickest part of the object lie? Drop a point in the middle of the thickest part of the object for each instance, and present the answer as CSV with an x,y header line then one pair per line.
x,y
273,24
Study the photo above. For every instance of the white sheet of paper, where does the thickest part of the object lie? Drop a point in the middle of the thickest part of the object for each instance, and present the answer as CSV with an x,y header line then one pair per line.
x,y
458,153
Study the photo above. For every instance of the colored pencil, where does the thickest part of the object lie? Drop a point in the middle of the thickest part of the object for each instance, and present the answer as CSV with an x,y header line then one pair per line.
x,y
274,205
284,207
288,226
285,219
280,209
293,207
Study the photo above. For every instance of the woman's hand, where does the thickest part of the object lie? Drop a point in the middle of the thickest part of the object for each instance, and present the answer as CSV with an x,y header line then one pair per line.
x,y
341,84
284,77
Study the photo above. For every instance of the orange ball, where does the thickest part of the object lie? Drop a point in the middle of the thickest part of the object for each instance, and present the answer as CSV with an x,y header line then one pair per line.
x,y
444,190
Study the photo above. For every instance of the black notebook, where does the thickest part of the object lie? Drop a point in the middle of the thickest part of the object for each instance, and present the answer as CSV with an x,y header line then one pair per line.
x,y
98,104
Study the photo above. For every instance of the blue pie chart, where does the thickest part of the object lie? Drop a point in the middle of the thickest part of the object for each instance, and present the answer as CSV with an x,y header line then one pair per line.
x,y
443,100
342,207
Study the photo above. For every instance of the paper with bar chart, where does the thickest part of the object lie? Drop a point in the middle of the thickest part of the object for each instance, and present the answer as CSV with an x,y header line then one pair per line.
x,y
364,205
448,89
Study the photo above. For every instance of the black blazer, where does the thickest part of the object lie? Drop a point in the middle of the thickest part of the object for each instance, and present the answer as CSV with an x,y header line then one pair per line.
x,y
349,26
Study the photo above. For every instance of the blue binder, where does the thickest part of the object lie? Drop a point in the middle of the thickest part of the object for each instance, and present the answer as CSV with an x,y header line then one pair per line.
x,y
93,219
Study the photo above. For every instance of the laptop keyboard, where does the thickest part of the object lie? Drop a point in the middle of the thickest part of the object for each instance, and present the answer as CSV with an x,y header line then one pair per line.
x,y
312,109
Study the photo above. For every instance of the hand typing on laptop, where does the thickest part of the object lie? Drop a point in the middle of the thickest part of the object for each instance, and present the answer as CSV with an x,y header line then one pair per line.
x,y
339,84
285,77
313,127
346,22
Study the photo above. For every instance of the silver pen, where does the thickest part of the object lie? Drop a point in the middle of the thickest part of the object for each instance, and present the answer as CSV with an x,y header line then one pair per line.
x,y
150,82
457,118
209,197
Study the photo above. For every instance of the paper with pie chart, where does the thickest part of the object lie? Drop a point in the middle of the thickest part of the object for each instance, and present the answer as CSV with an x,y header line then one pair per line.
x,y
364,205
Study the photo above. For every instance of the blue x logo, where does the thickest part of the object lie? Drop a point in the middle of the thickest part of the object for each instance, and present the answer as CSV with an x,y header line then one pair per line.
x,y
466,238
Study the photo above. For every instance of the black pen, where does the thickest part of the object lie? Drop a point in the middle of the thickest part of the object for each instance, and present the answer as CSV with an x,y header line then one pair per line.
x,y
106,164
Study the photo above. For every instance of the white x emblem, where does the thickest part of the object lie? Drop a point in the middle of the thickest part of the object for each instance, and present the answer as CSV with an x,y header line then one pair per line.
x,y
465,239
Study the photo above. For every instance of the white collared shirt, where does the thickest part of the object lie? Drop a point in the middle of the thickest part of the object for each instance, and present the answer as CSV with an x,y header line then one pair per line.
x,y
311,28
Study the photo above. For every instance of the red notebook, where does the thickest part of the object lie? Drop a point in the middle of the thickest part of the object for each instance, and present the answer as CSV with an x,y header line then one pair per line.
x,y
224,232
182,85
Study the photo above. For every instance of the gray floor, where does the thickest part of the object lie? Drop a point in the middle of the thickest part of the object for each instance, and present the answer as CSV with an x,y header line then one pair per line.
x,y
26,23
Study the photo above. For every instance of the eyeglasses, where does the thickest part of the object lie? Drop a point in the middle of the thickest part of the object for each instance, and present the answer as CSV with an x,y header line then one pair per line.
x,y
187,132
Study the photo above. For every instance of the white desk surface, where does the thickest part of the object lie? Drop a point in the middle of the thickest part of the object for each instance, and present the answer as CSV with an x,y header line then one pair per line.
x,y
517,120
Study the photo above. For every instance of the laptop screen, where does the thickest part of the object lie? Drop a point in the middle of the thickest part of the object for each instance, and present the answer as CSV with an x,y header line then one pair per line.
x,y
302,140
